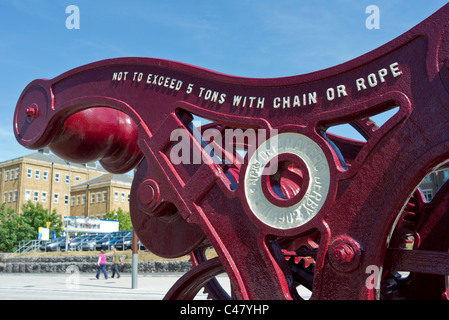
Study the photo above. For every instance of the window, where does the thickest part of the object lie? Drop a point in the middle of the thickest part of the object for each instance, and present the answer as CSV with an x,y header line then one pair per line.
x,y
7,176
29,173
84,199
17,173
45,175
77,178
98,196
10,196
428,194
12,174
57,177
92,198
27,195
56,198
5,196
37,174
66,199
105,196
123,197
44,197
36,196
116,196
78,200
446,175
67,178
73,200
15,195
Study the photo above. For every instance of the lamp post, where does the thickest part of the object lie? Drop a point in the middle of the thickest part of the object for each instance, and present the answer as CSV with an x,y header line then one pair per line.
x,y
135,255
135,260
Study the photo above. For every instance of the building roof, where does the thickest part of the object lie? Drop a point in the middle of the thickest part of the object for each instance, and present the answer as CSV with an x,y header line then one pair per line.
x,y
107,178
45,155
104,176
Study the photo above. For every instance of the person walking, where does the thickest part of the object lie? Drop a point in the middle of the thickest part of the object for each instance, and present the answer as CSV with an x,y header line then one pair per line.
x,y
101,265
116,260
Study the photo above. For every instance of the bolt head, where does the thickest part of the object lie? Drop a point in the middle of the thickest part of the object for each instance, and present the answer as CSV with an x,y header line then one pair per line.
x,y
343,253
32,111
148,195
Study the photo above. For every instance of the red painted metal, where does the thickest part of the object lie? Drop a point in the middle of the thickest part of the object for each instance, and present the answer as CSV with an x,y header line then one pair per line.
x,y
334,216
99,134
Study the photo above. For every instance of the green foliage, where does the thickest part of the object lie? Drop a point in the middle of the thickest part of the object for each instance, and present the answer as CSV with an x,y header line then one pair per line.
x,y
12,229
37,216
17,227
123,217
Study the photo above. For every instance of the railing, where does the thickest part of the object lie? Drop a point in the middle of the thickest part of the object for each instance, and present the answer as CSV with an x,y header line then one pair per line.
x,y
29,245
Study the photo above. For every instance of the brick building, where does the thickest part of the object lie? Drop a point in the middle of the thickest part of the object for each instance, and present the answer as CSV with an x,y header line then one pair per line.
x,y
45,178
106,192
434,181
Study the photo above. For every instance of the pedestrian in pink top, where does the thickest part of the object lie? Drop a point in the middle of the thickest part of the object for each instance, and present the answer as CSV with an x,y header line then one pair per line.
x,y
102,265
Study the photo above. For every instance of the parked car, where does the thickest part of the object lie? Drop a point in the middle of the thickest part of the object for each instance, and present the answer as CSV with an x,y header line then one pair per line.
x,y
111,241
124,243
104,238
53,245
91,245
110,238
127,243
76,243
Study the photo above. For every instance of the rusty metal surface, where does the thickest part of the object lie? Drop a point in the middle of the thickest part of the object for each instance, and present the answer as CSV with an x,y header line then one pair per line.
x,y
330,211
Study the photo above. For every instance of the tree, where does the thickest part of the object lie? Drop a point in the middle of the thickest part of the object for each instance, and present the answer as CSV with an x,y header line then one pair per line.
x,y
12,229
17,227
37,216
123,217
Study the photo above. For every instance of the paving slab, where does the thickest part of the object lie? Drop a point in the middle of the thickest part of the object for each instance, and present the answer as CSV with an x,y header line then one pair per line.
x,y
82,286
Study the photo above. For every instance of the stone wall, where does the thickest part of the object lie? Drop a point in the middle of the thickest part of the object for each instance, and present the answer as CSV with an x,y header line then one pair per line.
x,y
88,264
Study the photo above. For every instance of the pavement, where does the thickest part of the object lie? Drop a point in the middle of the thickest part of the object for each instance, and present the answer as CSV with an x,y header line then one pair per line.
x,y
83,286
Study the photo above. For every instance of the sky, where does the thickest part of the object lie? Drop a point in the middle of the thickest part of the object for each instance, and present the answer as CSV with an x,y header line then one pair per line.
x,y
248,38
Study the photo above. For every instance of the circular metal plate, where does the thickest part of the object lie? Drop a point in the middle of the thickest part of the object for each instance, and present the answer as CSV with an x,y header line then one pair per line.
x,y
317,188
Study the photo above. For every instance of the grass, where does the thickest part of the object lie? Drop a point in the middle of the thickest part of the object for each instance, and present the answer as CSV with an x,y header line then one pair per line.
x,y
143,255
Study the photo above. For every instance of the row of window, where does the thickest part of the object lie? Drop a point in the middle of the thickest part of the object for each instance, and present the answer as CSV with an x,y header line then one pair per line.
x,y
10,196
37,175
98,197
42,196
13,174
